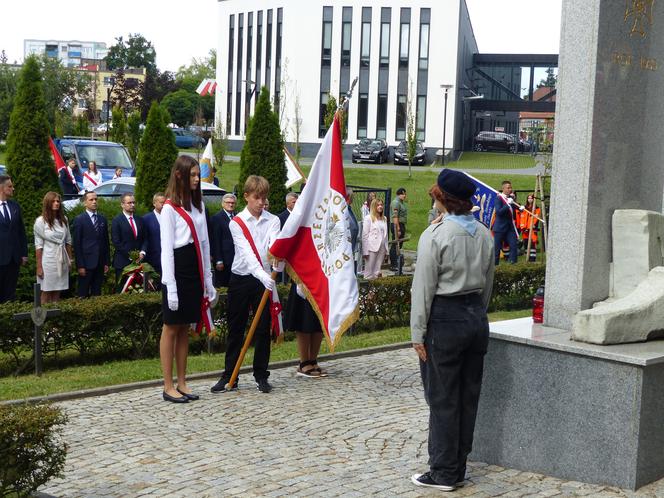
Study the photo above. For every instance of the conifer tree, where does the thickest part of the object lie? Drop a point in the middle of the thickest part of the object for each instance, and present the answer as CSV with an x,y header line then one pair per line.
x,y
133,134
156,155
81,127
29,159
263,151
119,128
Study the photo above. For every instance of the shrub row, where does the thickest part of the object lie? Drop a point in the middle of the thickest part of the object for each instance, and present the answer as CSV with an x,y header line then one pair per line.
x,y
129,325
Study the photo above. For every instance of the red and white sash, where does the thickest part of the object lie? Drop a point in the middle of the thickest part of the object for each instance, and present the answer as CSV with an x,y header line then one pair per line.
x,y
90,178
206,314
276,326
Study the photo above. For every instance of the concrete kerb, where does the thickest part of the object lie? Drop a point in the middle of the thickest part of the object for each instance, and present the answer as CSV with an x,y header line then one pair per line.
x,y
101,391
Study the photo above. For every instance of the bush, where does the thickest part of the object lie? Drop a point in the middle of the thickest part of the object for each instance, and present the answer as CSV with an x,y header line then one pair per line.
x,y
134,133
129,325
31,449
119,128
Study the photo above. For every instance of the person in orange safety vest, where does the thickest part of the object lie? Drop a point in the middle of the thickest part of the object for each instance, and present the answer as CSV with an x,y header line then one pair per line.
x,y
523,223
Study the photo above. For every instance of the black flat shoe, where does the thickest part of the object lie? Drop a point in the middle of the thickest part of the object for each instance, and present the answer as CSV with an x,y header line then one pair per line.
x,y
189,396
172,399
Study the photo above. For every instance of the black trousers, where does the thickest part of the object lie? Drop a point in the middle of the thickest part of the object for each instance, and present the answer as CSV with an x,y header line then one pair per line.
x,y
90,285
510,238
8,281
456,342
245,292
394,259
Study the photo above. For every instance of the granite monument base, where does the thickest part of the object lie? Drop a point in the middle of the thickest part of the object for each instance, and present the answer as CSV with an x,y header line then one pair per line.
x,y
571,410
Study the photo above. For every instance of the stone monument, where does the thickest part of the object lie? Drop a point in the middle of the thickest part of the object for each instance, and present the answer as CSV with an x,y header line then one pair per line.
x,y
550,404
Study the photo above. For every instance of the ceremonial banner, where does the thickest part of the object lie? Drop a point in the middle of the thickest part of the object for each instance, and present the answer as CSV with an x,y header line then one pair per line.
x,y
59,162
293,172
315,242
207,87
207,161
485,199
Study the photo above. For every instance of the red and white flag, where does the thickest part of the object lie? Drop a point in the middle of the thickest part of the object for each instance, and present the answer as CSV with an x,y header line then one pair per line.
x,y
57,158
315,242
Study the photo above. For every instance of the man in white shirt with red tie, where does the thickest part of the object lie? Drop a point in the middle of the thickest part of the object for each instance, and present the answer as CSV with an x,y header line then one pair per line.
x,y
249,279
127,235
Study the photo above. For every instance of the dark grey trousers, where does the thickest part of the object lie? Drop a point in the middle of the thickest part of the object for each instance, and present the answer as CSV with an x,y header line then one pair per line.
x,y
456,342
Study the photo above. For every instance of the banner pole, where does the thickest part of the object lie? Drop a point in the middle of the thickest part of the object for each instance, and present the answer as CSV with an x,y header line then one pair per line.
x,y
250,335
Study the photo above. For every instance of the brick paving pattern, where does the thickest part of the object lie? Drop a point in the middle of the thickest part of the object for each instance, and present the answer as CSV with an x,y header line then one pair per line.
x,y
359,432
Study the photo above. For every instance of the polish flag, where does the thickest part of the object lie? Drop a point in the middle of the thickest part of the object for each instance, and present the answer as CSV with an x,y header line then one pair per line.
x,y
59,162
207,87
315,242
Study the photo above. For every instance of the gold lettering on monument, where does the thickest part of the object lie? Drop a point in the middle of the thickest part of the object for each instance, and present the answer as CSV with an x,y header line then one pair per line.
x,y
628,60
639,14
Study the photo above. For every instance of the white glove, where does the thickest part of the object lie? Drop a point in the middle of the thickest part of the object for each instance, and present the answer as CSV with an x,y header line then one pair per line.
x,y
521,208
279,266
172,298
299,292
267,281
210,290
510,200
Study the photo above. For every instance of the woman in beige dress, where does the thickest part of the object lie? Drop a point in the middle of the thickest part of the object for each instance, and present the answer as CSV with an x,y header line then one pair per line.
x,y
53,247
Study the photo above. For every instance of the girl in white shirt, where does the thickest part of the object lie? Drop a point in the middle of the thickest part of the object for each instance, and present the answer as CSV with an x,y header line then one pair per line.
x,y
92,177
183,285
374,240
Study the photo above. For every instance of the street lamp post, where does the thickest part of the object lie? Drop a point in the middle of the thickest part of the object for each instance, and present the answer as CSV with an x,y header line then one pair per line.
x,y
109,91
447,88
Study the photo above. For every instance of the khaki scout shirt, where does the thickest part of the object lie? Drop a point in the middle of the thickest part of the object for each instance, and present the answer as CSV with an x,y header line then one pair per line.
x,y
399,210
450,262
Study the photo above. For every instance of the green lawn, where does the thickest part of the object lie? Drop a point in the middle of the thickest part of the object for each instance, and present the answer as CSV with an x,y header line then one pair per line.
x,y
493,160
3,158
122,372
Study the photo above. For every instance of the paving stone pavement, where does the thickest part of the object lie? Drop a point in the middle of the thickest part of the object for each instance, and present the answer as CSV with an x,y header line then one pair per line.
x,y
359,432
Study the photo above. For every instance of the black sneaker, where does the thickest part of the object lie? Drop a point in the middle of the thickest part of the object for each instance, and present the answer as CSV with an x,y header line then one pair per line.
x,y
220,386
427,481
263,385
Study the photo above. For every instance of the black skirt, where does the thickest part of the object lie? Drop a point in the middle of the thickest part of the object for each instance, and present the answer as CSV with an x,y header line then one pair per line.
x,y
190,290
300,316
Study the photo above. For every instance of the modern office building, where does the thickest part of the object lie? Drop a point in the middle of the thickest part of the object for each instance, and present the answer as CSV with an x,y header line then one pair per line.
x,y
70,52
400,52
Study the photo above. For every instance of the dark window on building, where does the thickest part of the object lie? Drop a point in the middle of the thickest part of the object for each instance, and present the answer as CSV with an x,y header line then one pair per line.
x,y
325,66
322,111
402,117
362,115
421,117
247,78
422,74
404,44
326,52
424,45
346,36
229,98
365,48
384,44
238,83
277,75
259,55
268,50
381,121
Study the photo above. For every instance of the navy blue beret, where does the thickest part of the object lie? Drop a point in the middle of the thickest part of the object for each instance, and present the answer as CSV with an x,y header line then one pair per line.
x,y
456,184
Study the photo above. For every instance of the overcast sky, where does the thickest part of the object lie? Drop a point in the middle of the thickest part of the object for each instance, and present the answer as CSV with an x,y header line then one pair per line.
x,y
179,31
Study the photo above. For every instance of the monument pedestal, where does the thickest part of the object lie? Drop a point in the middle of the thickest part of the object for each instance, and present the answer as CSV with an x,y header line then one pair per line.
x,y
571,410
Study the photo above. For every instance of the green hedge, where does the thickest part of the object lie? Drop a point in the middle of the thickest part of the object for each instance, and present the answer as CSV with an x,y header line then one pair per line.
x,y
129,325
31,447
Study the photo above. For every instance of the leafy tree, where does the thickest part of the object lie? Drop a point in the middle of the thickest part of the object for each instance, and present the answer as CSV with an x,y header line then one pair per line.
x,y
133,134
64,123
61,88
411,132
8,80
127,92
155,88
181,105
81,126
119,129
330,110
156,154
136,51
29,160
263,151
199,69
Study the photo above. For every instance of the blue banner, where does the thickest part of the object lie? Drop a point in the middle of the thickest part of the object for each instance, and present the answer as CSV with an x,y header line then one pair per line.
x,y
485,201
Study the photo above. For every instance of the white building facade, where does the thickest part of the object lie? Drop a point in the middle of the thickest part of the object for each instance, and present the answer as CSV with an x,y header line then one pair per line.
x,y
304,51
70,52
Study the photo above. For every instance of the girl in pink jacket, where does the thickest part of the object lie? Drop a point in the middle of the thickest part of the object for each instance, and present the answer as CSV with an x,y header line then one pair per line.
x,y
374,240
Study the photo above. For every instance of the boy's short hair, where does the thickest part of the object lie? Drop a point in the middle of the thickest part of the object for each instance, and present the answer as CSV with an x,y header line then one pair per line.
x,y
256,185
505,182
401,190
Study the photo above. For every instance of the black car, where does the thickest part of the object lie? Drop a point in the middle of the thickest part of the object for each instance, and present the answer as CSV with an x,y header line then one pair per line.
x,y
495,140
373,150
401,153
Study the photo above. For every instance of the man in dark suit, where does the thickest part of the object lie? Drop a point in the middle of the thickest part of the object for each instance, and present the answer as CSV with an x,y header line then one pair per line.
x,y
127,235
504,228
13,242
67,178
91,247
152,240
223,250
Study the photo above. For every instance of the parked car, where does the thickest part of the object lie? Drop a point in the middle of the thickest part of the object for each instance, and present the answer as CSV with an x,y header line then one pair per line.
x,y
494,140
186,139
401,153
373,150
3,169
107,155
124,185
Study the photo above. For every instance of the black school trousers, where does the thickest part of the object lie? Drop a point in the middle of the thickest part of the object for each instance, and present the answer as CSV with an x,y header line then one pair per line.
x,y
456,342
244,293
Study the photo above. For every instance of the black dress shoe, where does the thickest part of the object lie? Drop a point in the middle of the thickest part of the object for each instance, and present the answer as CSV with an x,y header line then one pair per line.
x,y
190,396
173,399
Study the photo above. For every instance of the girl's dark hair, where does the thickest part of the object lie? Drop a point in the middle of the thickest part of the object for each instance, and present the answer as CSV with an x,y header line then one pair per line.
x,y
179,187
47,212
452,204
